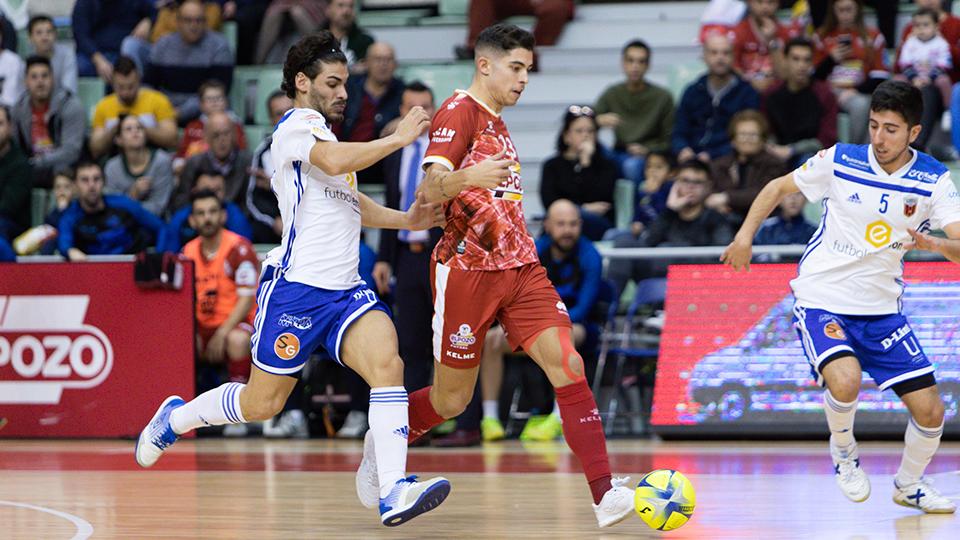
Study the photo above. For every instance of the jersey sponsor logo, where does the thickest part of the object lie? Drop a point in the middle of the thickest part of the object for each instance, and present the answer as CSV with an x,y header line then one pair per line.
x,y
909,206
286,346
854,162
833,331
878,233
300,323
849,250
340,195
464,337
365,295
41,358
855,198
923,176
443,135
896,336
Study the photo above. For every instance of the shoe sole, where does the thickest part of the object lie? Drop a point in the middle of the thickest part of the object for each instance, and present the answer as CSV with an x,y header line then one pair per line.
x,y
865,497
360,481
428,500
136,452
915,507
618,519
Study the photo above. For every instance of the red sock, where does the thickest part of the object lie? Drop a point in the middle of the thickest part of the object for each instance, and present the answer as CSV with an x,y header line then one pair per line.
x,y
584,433
423,417
238,369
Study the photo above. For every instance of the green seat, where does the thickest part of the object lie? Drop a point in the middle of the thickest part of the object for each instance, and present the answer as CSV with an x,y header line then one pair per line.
x,y
843,127
624,194
229,31
255,134
812,212
39,202
681,75
268,81
243,92
392,17
444,20
454,7
90,90
442,78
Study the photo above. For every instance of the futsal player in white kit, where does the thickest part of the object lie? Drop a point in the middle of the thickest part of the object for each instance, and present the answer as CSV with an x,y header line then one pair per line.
x,y
310,292
878,200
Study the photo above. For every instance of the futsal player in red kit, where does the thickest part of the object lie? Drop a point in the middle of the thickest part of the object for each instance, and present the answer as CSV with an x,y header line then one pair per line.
x,y
486,268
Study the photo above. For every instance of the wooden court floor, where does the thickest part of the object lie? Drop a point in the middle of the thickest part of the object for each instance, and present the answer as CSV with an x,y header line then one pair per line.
x,y
219,489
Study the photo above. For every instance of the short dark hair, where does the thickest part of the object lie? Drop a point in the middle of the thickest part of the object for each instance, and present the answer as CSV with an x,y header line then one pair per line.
x,y
274,95
926,12
85,164
900,97
68,172
694,165
211,84
636,43
125,66
503,37
798,41
36,59
38,19
307,55
204,194
572,113
419,86
664,155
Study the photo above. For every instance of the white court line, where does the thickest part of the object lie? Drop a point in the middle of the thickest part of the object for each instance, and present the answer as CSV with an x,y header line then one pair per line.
x,y
84,528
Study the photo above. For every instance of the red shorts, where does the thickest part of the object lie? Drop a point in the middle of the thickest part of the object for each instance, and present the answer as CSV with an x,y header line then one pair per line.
x,y
465,304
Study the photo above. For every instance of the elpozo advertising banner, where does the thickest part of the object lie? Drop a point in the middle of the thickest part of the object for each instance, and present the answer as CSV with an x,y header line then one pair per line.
x,y
86,353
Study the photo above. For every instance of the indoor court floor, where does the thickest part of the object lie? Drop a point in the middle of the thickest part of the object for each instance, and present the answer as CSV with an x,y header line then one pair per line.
x,y
226,489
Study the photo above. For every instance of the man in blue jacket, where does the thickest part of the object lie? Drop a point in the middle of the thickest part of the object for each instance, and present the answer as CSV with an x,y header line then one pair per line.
x,y
707,105
98,224
179,231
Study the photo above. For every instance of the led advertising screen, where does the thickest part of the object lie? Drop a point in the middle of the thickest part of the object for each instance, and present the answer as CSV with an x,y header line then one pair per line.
x,y
731,362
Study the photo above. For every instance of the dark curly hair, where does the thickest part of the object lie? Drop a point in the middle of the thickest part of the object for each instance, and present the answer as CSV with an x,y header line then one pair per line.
x,y
306,57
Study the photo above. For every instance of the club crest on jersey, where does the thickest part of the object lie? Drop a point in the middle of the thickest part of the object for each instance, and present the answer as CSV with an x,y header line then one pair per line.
x,y
909,206
833,331
286,346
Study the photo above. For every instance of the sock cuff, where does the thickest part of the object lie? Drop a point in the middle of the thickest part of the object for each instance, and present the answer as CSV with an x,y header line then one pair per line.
x,y
930,433
836,405
396,395
230,401
573,393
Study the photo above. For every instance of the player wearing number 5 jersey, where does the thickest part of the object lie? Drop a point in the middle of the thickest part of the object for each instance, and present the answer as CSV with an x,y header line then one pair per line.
x,y
878,200
486,266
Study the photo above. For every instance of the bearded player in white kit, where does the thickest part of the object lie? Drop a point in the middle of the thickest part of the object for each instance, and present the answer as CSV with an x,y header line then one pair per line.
x,y
310,292
878,201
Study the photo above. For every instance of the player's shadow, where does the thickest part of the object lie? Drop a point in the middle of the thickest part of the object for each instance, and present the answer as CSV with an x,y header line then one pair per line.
x,y
923,526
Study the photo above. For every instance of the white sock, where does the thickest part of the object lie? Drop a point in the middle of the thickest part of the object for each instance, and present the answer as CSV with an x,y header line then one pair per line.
x,y
491,409
556,408
211,408
390,428
840,419
921,444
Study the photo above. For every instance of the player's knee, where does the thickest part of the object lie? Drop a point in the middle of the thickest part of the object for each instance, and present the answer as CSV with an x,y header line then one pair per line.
x,y
845,390
264,409
452,402
930,417
386,371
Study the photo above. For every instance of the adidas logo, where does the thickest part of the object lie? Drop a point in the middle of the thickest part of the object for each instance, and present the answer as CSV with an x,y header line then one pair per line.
x,y
403,432
855,198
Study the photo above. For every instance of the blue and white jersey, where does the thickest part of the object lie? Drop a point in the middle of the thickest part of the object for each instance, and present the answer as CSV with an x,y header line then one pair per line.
x,y
320,213
853,264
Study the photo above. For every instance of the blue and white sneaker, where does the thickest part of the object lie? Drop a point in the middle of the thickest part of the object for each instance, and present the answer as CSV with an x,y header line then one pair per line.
x,y
158,435
850,476
409,498
923,496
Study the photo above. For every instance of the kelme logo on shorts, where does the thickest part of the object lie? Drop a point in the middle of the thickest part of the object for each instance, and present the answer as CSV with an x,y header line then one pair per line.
x,y
287,346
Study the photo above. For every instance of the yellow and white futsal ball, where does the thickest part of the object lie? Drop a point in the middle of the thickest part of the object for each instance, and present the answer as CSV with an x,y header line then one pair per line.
x,y
664,499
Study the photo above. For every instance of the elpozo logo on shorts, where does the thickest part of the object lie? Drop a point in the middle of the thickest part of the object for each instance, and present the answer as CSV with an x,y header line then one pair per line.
x,y
45,348
464,337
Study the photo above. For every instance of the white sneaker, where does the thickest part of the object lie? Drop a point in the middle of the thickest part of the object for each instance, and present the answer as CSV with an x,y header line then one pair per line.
x,y
616,504
409,498
923,496
158,435
354,426
368,482
852,480
290,424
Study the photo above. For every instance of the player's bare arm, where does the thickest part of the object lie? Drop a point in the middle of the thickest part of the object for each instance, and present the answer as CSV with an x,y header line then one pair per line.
x,y
420,216
739,251
948,247
441,184
336,158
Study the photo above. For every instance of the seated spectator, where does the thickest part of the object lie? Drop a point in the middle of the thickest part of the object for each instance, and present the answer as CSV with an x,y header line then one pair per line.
x,y
99,28
227,270
16,181
165,23
129,97
789,226
181,62
580,173
552,16
373,99
306,15
139,172
802,111
651,198
179,230
850,57
738,177
686,221
50,123
43,40
949,26
11,77
261,202
757,41
224,156
213,99
707,105
98,224
354,41
575,268
640,113
64,192
924,60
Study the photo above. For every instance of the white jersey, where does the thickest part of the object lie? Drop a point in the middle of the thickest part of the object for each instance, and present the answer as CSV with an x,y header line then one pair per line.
x,y
853,264
320,213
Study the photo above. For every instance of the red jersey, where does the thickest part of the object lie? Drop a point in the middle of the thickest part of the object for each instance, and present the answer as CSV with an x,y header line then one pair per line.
x,y
230,273
485,228
751,55
866,58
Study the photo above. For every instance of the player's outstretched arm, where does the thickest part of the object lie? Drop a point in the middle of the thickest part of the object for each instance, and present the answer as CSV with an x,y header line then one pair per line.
x,y
948,247
336,158
440,184
422,215
739,252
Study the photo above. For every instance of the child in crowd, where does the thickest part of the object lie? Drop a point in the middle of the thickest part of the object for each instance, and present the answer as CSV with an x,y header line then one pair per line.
x,y
925,56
